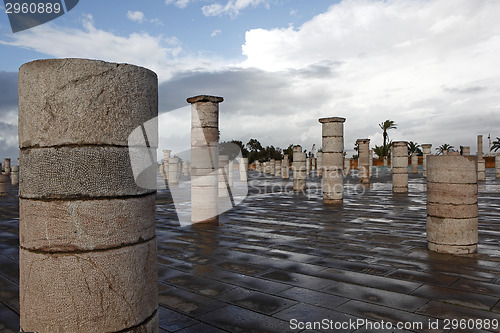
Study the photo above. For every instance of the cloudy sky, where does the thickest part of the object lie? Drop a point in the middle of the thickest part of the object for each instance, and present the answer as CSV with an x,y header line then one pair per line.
x,y
432,66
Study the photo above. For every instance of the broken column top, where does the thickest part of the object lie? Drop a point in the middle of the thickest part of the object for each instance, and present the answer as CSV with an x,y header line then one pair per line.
x,y
331,120
205,98
297,148
425,145
362,140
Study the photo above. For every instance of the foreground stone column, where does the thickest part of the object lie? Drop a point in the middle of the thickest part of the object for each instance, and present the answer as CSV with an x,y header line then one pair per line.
x,y
452,210
14,175
6,166
497,166
363,160
414,163
277,169
204,158
87,230
399,166
285,165
481,163
466,151
299,169
426,151
320,164
333,159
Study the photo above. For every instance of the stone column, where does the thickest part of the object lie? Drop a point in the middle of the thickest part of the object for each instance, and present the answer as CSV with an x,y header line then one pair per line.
x,y
452,210
299,169
166,157
204,158
308,166
223,176
320,164
399,166
230,169
14,175
272,167
277,169
4,185
285,172
185,168
313,164
481,163
173,171
370,164
497,165
414,163
426,151
466,151
363,160
347,166
7,166
87,251
333,158
244,169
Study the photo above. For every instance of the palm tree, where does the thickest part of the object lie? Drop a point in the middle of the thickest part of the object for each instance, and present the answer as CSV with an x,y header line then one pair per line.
x,y
379,150
385,126
444,147
414,148
495,144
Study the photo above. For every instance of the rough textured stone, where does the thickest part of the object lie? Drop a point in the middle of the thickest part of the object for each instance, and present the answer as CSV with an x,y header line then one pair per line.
x,y
86,99
453,169
285,173
299,169
4,185
99,291
363,160
68,172
243,169
332,159
79,225
426,151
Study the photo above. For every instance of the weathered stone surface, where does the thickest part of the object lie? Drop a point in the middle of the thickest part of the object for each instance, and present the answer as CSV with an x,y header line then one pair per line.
x,y
68,172
243,167
332,159
100,291
86,99
363,160
4,185
426,150
80,225
285,173
497,166
452,169
452,231
455,194
299,169
399,164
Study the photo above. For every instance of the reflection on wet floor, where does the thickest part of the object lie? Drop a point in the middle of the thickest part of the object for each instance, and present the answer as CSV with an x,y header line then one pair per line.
x,y
281,255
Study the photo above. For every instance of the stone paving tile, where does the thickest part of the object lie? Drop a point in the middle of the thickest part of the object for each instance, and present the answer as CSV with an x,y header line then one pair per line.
x,y
9,320
172,321
305,313
198,284
377,313
236,319
312,297
455,296
297,279
424,277
377,296
256,301
200,328
187,302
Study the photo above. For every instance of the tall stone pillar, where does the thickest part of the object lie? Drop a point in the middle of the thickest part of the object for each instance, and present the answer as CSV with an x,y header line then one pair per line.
x,y
14,175
223,176
87,255
277,169
452,210
314,164
497,165
320,164
363,160
481,163
370,164
204,158
285,165
299,169
466,150
166,158
399,166
185,168
173,171
333,159
414,163
308,166
244,169
426,151
7,166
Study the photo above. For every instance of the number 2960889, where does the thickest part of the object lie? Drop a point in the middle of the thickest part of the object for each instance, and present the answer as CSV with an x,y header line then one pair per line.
x,y
33,8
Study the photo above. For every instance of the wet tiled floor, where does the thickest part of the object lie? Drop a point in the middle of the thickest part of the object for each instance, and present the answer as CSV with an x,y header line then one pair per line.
x,y
282,258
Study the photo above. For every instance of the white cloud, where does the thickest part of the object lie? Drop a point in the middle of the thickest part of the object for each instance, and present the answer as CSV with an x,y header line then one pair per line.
x,y
215,33
178,3
135,16
232,7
